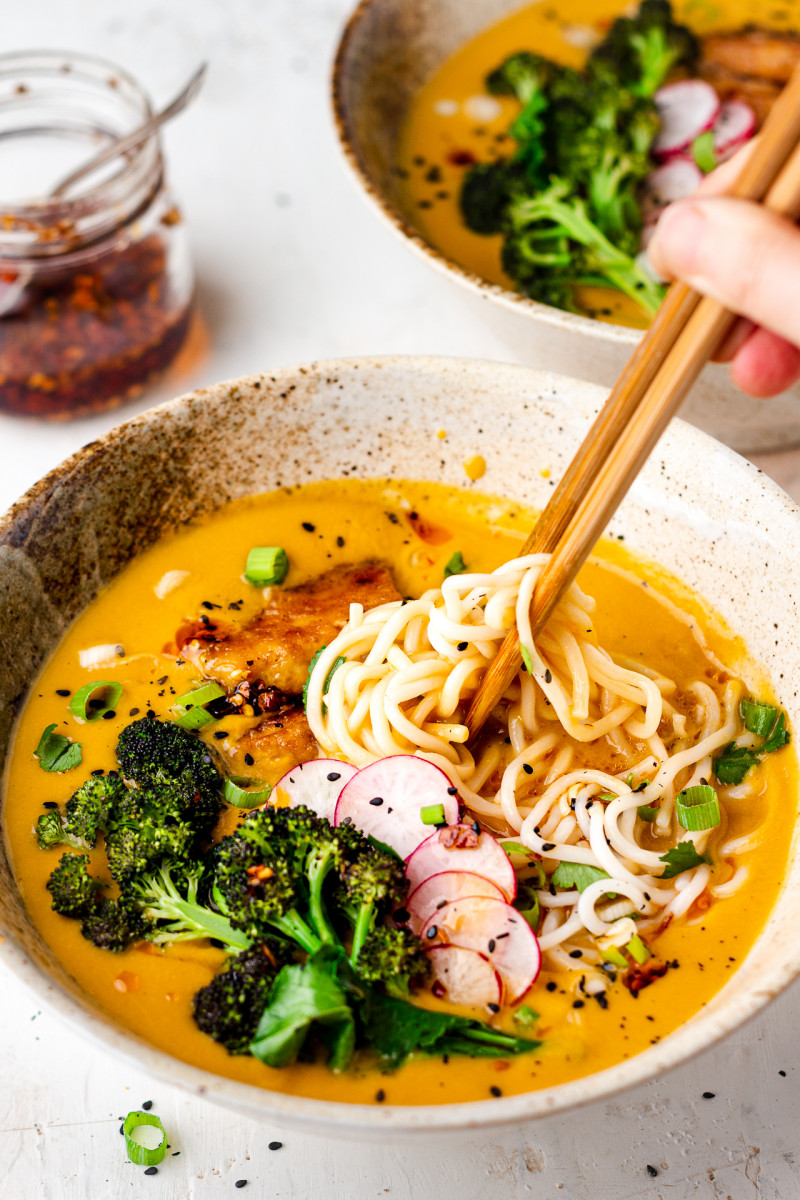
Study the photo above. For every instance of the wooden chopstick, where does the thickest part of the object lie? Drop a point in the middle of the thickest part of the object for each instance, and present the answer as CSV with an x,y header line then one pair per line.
x,y
686,332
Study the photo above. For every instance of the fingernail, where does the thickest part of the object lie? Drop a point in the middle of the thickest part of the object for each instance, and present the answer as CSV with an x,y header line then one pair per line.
x,y
676,248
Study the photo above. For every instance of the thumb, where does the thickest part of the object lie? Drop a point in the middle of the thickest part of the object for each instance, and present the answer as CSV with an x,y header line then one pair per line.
x,y
739,253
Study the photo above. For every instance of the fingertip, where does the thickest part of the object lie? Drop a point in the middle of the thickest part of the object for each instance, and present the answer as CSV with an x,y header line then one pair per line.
x,y
765,365
675,246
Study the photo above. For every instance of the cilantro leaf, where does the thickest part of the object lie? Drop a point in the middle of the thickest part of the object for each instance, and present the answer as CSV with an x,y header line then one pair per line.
x,y
779,736
455,565
734,763
648,812
56,752
576,875
681,858
338,663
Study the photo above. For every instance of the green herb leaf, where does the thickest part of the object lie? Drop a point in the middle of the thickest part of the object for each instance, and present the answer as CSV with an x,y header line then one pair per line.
x,y
340,661
455,565
576,875
648,812
681,858
779,736
734,763
302,996
525,1015
56,752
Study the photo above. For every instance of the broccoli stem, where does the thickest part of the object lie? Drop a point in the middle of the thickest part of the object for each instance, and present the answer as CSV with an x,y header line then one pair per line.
x,y
207,923
318,871
292,925
362,929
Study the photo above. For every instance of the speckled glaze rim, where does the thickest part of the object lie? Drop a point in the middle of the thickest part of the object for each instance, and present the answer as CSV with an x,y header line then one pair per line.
x,y
744,501
601,331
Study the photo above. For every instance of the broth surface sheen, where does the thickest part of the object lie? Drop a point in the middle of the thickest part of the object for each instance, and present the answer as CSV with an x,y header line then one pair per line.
x,y
150,991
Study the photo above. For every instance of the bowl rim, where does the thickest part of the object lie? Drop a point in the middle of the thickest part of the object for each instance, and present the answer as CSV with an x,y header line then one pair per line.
x,y
574,323
402,1122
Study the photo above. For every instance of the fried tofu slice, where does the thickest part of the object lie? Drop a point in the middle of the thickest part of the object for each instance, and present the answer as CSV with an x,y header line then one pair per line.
x,y
276,647
754,53
276,744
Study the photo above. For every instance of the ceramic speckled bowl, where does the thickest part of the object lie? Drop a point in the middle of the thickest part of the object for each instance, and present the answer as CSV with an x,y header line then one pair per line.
x,y
730,535
389,49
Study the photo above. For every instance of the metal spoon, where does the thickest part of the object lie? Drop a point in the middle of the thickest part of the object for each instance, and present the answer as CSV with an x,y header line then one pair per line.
x,y
122,145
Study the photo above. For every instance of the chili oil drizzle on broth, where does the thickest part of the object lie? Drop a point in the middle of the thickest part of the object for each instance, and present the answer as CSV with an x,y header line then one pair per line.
x,y
579,742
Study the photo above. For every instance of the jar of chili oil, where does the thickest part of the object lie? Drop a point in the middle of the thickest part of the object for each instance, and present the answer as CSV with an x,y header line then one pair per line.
x,y
95,286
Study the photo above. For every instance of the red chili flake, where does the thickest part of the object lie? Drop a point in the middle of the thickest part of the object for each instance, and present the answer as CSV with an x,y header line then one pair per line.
x,y
461,158
638,978
78,342
459,837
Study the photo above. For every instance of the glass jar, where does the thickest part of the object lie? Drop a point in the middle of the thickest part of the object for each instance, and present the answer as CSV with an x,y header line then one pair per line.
x,y
95,286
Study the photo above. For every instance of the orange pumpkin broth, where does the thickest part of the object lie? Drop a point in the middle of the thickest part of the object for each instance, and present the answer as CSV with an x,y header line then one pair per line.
x,y
446,121
150,991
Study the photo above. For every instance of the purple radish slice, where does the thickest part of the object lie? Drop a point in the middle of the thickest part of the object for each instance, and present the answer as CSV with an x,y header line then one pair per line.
x,y
460,848
672,181
494,929
385,799
686,109
464,977
440,889
316,784
735,125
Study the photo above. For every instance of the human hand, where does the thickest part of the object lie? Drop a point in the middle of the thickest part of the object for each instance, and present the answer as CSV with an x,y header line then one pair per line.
x,y
748,258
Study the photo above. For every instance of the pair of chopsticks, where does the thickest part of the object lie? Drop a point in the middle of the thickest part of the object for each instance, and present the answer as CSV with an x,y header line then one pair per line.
x,y
686,332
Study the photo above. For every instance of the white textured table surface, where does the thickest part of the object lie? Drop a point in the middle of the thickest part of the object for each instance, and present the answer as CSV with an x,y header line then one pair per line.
x,y
292,266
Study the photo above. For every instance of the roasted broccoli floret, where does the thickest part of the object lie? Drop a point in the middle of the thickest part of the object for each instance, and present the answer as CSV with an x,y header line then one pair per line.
x,y
161,755
168,900
393,957
72,887
270,874
485,194
373,883
642,50
89,810
229,1008
114,924
50,832
136,846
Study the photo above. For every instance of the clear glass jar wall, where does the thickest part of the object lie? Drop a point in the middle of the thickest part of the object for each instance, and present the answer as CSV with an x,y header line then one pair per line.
x,y
95,287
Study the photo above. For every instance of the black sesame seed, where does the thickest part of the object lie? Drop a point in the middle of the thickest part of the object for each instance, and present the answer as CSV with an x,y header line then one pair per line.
x,y
240,1183
376,801
219,734
577,1003
551,986
651,1171
109,715
452,791
162,680
576,954
134,712
148,1104
492,1007
783,1073
492,944
49,804
548,845
432,932
548,676
709,1095
98,772
527,768
495,1090
62,692
309,528
340,542
380,1095
248,758
122,1128
151,1171
462,645
275,1145
334,775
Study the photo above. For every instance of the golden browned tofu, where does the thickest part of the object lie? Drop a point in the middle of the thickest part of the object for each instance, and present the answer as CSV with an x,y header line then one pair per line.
x,y
276,647
754,53
279,742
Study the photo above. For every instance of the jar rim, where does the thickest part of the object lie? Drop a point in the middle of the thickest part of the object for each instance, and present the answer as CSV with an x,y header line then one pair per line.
x,y
42,226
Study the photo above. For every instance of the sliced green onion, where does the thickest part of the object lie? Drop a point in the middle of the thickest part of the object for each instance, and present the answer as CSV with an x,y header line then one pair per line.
x,y
432,814
698,808
194,714
239,791
143,1156
526,658
266,565
758,718
82,707
516,848
648,812
525,1015
612,955
637,950
703,151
